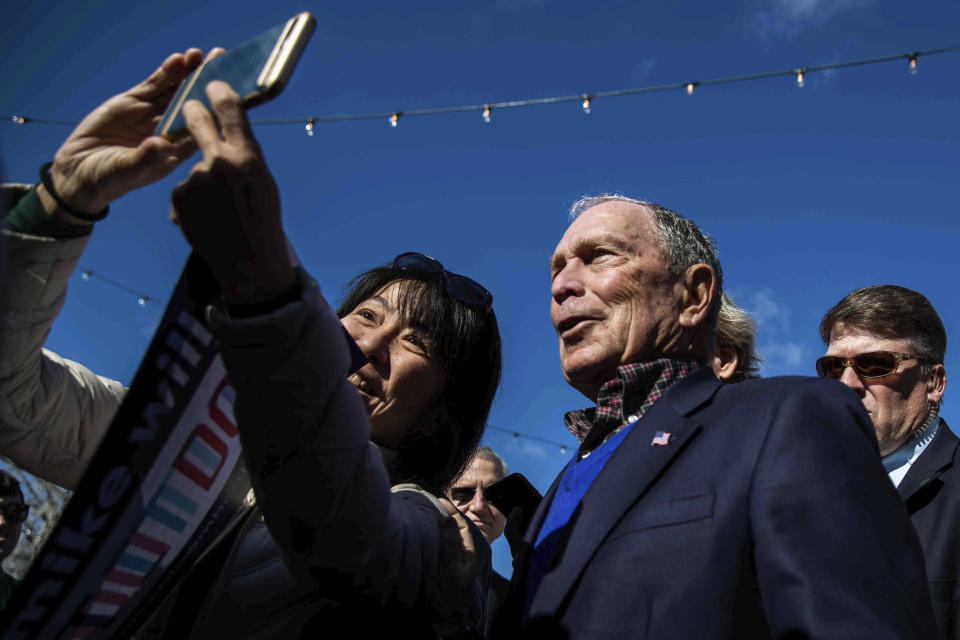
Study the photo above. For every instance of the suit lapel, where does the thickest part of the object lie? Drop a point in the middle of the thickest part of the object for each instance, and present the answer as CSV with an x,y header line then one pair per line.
x,y
936,459
626,477
530,536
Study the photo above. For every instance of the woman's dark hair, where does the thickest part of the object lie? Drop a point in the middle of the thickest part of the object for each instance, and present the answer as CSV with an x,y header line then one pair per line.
x,y
467,342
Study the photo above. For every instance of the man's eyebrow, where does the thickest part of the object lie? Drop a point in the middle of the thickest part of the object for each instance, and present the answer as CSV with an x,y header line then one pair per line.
x,y
557,260
607,238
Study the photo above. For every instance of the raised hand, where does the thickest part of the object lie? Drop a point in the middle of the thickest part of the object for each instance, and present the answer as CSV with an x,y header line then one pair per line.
x,y
228,207
113,150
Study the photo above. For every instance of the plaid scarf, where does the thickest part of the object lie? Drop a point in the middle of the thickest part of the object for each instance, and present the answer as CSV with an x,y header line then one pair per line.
x,y
624,399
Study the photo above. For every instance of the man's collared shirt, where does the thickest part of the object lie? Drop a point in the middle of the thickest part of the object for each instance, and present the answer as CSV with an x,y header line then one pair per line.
x,y
624,399
898,463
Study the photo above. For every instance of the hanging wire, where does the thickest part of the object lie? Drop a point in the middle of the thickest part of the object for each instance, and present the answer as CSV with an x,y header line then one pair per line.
x,y
585,99
519,434
142,298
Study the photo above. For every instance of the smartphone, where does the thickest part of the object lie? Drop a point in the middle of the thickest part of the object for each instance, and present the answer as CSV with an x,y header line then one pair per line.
x,y
512,492
258,70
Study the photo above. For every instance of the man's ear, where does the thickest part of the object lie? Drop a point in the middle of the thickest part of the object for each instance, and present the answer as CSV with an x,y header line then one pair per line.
x,y
936,383
699,290
725,362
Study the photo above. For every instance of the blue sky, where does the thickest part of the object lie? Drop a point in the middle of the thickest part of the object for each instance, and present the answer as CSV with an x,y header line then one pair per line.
x,y
809,192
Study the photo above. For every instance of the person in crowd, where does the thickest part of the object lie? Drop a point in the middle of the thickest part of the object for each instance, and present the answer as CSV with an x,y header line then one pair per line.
x,y
13,513
370,548
695,509
466,492
735,359
887,343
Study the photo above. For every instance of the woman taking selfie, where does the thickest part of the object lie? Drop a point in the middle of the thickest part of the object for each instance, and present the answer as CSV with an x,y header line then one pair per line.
x,y
346,469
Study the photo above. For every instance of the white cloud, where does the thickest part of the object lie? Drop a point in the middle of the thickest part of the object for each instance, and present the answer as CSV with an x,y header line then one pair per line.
x,y
642,70
769,314
526,447
785,355
787,18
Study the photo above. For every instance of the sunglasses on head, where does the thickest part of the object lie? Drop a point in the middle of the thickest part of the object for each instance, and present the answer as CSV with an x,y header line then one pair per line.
x,y
875,364
15,512
466,290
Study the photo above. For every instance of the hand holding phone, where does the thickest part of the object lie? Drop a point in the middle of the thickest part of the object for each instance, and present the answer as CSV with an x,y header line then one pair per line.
x,y
257,70
112,152
513,492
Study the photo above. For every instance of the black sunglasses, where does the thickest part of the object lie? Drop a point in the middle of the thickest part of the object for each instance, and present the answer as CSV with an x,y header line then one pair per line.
x,y
15,512
875,364
463,495
466,290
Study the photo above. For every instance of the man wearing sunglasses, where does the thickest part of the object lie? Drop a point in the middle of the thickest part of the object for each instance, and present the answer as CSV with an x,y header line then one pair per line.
x,y
887,343
13,513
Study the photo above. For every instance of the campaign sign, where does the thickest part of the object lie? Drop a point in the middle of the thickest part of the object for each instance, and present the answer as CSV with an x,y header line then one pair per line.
x,y
166,481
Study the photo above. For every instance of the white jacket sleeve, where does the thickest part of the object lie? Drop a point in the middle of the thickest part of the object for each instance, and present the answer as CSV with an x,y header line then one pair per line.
x,y
53,412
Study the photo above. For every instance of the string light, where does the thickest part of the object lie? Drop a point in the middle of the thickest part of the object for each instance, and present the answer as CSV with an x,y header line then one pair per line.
x,y
563,450
486,114
85,275
142,301
585,99
691,87
309,126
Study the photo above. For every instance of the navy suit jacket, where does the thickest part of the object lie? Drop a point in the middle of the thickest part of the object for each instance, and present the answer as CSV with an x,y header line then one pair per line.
x,y
767,514
931,490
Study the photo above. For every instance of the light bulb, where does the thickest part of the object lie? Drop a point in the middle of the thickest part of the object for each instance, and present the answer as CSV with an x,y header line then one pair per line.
x,y
18,119
563,450
691,86
586,104
799,73
913,65
85,275
309,126
486,114
142,301
393,119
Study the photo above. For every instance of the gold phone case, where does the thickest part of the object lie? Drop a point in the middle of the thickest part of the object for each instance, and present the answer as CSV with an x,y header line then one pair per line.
x,y
258,70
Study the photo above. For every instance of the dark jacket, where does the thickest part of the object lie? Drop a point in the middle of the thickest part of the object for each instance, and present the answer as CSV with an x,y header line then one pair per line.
x,y
767,514
931,490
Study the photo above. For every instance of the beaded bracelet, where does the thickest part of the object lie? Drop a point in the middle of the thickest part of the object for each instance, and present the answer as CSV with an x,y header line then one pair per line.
x,y
48,183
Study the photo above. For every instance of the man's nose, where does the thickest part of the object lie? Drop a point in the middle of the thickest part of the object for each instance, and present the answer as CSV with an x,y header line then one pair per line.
x,y
852,380
479,503
567,282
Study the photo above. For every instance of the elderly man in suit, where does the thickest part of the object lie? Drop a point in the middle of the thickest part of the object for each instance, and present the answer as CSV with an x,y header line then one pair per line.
x,y
887,344
695,509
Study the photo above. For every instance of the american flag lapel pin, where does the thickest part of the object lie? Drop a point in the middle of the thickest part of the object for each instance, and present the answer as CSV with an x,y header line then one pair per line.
x,y
660,439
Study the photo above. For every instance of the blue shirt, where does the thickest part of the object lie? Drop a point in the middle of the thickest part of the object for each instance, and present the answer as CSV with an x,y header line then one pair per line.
x,y
577,478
